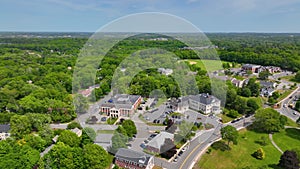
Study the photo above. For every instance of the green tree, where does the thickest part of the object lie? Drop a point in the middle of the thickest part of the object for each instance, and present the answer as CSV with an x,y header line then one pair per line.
x,y
129,127
63,156
246,92
252,106
289,160
69,138
230,134
95,157
74,125
20,126
264,75
268,120
297,76
36,142
253,86
233,113
118,141
80,103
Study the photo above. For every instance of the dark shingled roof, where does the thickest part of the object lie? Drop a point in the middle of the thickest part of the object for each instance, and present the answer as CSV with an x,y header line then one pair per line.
x,y
204,98
134,156
4,128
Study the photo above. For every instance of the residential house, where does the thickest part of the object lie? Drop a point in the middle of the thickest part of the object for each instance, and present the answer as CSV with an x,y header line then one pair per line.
x,y
267,88
251,67
270,69
164,71
205,103
155,144
4,131
121,105
237,83
202,102
127,158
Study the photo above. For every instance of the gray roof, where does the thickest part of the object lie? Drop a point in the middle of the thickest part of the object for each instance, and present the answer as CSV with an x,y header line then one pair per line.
x,y
267,84
204,98
4,128
121,101
159,140
134,156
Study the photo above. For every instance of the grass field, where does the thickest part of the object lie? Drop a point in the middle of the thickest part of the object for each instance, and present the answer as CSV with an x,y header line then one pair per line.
x,y
287,139
211,65
240,155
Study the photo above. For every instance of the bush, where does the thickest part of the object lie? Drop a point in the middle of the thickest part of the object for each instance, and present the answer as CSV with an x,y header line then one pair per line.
x,y
74,125
220,145
259,154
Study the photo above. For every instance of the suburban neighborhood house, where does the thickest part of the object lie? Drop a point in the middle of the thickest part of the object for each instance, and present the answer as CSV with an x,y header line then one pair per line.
x,y
164,71
155,144
202,102
267,88
259,68
4,131
127,158
121,105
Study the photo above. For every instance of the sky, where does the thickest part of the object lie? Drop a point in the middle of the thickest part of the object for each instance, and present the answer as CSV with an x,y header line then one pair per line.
x,y
207,15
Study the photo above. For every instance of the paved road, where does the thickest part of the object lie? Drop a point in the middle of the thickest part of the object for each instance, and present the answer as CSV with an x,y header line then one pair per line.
x,y
199,144
288,112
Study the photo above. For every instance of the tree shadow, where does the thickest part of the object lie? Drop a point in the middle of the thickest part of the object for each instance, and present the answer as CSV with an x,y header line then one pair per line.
x,y
274,166
220,145
293,133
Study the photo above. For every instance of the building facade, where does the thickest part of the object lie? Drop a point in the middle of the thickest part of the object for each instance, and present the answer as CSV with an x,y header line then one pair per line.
x,y
121,105
202,102
126,158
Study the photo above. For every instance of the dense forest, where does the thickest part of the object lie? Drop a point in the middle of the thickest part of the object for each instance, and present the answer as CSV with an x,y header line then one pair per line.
x,y
36,72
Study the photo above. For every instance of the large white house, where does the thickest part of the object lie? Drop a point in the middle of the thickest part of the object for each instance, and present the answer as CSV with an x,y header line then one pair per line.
x,y
202,102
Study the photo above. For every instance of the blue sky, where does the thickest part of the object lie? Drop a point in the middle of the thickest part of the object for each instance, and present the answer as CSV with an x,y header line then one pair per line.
x,y
208,15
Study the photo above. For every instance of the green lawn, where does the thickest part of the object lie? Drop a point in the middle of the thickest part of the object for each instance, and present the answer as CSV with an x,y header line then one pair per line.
x,y
226,118
287,139
111,121
211,65
284,94
240,155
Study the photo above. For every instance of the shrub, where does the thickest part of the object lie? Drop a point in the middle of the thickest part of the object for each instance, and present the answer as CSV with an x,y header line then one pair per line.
x,y
259,154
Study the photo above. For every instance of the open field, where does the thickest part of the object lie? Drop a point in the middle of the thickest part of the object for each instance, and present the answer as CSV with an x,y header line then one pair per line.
x,y
211,64
240,155
287,139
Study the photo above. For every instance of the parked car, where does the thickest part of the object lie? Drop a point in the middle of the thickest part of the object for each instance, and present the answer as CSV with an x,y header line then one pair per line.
x,y
143,145
184,148
103,119
175,159
180,153
152,135
154,121
233,121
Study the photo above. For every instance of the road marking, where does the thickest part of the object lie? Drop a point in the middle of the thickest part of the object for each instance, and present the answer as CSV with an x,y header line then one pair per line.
x,y
189,155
